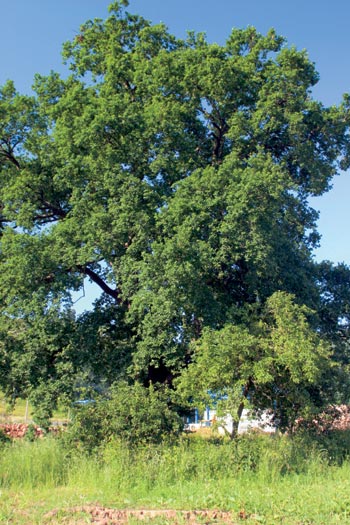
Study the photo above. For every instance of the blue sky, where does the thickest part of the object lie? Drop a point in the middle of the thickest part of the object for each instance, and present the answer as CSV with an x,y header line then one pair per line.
x,y
33,31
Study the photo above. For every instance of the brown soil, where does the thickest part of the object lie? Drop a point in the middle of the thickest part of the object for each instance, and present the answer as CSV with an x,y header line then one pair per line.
x,y
104,516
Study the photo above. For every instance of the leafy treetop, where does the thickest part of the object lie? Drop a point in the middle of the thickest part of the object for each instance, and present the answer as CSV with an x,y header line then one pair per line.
x,y
175,174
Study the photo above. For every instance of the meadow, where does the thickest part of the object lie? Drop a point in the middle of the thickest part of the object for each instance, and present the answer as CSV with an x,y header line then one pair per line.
x,y
258,479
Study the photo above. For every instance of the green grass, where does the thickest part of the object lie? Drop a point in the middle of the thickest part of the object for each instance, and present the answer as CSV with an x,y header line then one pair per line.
x,y
19,410
265,480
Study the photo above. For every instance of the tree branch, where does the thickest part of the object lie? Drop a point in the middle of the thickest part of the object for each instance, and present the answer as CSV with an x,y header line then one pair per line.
x,y
115,293
10,157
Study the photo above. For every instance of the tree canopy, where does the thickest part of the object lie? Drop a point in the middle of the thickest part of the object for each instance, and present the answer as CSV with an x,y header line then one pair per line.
x,y
175,174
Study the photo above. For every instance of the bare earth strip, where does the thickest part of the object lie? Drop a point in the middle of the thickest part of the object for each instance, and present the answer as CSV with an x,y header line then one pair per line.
x,y
103,516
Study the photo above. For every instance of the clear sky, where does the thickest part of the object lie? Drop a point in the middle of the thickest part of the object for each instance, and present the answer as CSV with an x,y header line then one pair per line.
x,y
32,33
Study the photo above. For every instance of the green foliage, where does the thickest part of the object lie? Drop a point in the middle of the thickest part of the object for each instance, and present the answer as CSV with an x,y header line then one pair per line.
x,y
175,174
38,358
31,434
270,364
133,414
4,439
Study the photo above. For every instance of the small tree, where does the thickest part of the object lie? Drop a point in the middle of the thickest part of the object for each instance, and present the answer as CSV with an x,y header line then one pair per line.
x,y
273,363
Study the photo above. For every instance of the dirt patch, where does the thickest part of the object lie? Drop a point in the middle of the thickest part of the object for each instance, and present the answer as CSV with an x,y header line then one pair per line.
x,y
104,516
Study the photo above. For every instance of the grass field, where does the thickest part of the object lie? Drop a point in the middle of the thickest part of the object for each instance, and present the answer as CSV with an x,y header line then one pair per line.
x,y
258,480
292,501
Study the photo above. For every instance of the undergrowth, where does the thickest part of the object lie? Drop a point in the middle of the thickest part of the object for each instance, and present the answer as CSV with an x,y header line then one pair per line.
x,y
50,461
265,476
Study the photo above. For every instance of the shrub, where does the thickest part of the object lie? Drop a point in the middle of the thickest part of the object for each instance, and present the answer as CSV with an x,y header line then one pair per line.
x,y
4,439
133,413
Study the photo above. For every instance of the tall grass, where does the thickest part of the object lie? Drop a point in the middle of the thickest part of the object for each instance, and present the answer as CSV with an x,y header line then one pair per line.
x,y
274,479
33,464
47,462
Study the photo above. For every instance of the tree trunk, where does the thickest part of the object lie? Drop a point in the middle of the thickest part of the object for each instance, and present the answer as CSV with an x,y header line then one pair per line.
x,y
235,423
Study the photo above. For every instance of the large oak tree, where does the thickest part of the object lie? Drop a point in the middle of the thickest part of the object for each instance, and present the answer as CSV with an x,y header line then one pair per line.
x,y
175,175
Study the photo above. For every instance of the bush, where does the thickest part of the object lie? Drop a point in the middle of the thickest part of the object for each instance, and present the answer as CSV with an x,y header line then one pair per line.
x,y
334,444
4,439
134,414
